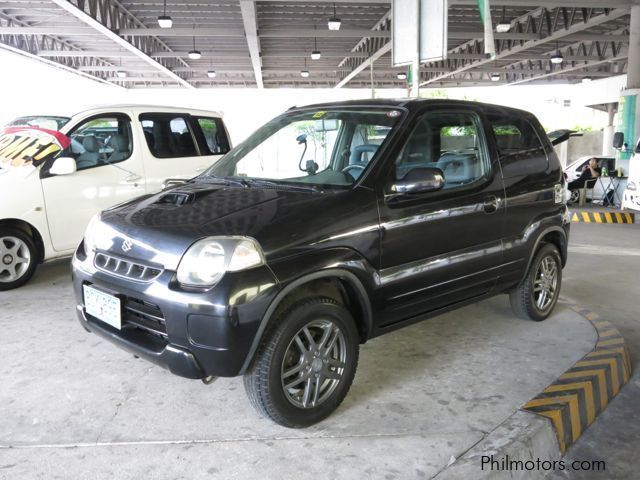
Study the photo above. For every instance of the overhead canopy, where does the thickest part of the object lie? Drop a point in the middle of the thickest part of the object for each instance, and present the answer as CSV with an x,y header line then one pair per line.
x,y
269,43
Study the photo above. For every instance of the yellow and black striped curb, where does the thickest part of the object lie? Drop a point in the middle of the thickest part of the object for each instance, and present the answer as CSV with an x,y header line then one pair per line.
x,y
603,217
574,400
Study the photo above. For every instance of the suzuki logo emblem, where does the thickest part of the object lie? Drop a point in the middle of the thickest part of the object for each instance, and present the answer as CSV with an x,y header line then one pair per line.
x,y
127,245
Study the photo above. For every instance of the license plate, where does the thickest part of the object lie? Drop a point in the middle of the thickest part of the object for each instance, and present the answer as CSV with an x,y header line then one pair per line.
x,y
103,306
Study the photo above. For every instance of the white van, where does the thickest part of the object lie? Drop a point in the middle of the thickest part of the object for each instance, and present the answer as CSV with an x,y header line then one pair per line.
x,y
52,183
631,194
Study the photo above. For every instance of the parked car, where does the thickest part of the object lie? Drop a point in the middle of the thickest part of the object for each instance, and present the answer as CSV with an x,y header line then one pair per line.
x,y
49,122
52,183
631,194
574,170
329,226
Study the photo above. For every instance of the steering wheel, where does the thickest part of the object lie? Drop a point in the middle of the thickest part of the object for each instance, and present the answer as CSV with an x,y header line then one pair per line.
x,y
353,166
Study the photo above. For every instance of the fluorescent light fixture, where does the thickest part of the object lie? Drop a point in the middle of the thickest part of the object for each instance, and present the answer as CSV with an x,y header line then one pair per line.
x,y
495,77
315,55
587,80
503,27
211,74
165,21
334,22
557,58
194,55
304,73
121,74
402,76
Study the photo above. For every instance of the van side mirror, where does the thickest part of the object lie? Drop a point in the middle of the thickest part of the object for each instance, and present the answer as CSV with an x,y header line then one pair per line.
x,y
638,146
63,166
618,140
419,180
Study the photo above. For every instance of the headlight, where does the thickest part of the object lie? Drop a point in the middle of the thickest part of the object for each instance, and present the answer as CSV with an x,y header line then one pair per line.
x,y
207,260
631,186
90,234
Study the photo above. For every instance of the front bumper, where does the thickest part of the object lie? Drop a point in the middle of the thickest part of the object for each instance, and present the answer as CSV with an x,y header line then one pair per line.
x,y
193,334
631,199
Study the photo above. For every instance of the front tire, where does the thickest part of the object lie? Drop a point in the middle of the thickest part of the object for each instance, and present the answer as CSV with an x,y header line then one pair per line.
x,y
18,258
537,295
306,363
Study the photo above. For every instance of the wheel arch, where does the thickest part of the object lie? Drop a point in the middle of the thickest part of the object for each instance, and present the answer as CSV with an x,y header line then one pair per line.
x,y
29,229
555,235
337,283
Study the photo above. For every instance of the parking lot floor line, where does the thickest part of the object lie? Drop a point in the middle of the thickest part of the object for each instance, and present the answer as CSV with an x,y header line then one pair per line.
x,y
573,401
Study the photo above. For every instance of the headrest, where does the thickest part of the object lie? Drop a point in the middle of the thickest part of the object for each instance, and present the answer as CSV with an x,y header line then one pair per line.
x,y
90,144
119,143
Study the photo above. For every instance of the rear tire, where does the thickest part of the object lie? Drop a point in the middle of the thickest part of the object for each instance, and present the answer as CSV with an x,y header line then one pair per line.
x,y
305,364
537,295
18,258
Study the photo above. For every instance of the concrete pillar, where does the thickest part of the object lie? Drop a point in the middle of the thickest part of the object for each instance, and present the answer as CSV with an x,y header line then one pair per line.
x,y
607,137
633,68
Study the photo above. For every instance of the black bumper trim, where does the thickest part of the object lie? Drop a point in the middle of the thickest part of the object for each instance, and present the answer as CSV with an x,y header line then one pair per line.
x,y
177,360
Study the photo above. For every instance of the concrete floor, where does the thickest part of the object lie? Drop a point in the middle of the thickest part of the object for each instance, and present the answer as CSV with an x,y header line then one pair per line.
x,y
73,406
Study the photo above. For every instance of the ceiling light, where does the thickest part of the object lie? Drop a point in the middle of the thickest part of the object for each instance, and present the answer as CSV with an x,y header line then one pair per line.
x,y
194,55
503,27
495,77
334,22
587,80
557,58
304,73
211,74
315,55
402,76
164,20
121,74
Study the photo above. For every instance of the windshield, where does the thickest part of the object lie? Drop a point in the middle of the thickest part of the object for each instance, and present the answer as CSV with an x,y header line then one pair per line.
x,y
323,147
48,122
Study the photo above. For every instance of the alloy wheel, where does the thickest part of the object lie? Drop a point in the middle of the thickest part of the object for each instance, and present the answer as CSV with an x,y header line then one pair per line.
x,y
545,283
15,259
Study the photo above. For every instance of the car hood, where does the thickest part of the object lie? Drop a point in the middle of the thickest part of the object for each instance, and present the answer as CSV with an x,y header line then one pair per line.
x,y
161,227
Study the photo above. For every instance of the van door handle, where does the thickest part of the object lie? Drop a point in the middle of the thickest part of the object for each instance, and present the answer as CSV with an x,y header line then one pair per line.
x,y
133,178
491,204
201,168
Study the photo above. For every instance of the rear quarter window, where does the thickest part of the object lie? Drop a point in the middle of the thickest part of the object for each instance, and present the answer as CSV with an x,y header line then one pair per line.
x,y
520,147
215,135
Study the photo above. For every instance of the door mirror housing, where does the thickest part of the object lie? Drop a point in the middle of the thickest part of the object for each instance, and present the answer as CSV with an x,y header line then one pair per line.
x,y
63,166
419,180
618,140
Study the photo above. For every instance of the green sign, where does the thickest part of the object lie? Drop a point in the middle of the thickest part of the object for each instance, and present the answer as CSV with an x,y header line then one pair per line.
x,y
627,124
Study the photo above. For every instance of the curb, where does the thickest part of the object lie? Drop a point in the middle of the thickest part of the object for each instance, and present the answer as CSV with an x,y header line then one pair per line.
x,y
603,217
547,425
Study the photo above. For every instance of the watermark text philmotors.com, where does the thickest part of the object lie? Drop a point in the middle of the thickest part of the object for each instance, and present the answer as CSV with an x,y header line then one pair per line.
x,y
506,464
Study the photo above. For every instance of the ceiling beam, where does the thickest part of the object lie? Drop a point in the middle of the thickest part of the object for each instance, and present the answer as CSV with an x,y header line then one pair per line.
x,y
250,21
114,37
386,48
84,53
557,35
575,68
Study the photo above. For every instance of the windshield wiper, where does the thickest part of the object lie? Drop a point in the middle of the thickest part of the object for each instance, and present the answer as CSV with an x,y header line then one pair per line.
x,y
223,180
282,186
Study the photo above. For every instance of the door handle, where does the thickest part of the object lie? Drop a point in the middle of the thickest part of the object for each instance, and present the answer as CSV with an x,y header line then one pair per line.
x,y
491,204
202,168
133,178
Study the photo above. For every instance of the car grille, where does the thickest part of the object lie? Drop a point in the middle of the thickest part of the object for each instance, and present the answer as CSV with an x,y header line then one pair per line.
x,y
125,268
144,315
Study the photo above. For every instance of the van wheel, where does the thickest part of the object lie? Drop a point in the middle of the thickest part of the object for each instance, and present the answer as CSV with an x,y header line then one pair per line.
x,y
18,258
306,363
573,197
536,296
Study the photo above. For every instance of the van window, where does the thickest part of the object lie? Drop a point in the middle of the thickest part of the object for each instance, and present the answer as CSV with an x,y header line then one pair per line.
x,y
168,135
521,151
452,142
101,141
214,134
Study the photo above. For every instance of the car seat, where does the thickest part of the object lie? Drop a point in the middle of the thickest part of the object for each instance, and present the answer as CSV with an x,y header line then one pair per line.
x,y
120,145
186,145
89,158
459,168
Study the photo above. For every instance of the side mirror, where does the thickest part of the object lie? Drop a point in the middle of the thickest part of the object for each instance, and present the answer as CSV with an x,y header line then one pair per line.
x,y
420,180
63,166
301,139
618,140
638,146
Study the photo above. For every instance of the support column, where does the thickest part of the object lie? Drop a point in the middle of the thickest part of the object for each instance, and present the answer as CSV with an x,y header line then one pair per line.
x,y
633,68
607,137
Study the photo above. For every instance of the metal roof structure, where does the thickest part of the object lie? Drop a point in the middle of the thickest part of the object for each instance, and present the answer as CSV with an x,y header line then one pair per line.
x,y
268,43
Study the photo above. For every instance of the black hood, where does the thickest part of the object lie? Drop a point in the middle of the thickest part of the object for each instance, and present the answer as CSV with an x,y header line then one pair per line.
x,y
278,218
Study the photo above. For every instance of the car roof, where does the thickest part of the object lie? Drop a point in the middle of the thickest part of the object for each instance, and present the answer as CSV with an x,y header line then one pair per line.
x,y
150,108
410,104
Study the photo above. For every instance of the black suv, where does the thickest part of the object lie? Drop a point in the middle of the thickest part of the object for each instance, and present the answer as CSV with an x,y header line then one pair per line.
x,y
330,225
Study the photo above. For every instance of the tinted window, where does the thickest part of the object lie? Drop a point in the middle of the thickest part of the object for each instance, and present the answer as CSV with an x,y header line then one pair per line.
x,y
168,136
521,151
451,142
101,141
214,134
